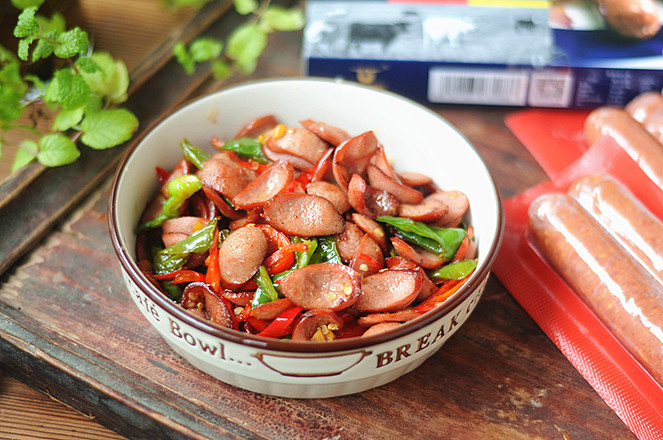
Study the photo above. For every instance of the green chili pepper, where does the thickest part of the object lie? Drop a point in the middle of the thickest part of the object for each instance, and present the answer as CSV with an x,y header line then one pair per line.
x,y
265,292
173,291
326,251
302,259
194,154
173,258
442,241
180,189
454,271
247,147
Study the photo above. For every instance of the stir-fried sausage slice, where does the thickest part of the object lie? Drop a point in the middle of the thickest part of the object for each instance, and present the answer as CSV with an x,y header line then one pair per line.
x,y
431,209
334,135
372,228
331,192
257,127
304,215
380,180
352,156
422,257
317,325
388,291
271,309
381,328
404,315
457,204
369,201
322,286
347,242
177,229
241,254
369,258
266,186
226,177
298,142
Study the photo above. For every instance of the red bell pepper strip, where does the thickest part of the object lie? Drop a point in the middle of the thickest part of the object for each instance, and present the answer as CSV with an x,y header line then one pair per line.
x,y
283,258
213,276
162,175
181,276
258,324
280,326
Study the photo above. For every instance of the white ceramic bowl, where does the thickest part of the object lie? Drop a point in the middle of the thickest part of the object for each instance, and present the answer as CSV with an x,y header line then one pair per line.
x,y
414,137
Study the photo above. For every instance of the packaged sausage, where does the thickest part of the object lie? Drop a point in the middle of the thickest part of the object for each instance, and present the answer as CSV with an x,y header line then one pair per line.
x,y
619,290
625,217
595,339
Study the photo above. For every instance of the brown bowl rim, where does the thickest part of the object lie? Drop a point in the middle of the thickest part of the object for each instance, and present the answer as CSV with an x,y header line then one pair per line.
x,y
143,284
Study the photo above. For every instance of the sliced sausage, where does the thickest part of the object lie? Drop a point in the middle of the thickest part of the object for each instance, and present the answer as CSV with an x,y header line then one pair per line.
x,y
388,291
297,162
200,296
257,127
347,242
381,328
177,229
457,205
422,257
271,309
265,186
618,289
380,180
334,135
369,201
404,315
322,286
352,156
369,258
314,322
241,254
431,209
226,177
631,136
304,215
298,142
623,216
413,179
379,160
372,228
224,208
331,192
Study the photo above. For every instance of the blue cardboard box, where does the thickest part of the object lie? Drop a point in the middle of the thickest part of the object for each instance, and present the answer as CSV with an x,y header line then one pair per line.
x,y
486,52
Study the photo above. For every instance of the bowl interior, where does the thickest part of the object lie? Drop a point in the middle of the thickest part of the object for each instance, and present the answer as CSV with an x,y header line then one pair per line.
x,y
415,139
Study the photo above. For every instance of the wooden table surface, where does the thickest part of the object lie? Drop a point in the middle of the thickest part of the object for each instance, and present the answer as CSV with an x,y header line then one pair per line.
x,y
95,369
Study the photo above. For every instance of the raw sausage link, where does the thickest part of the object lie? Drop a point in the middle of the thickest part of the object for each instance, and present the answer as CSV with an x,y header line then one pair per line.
x,y
631,18
625,217
645,150
619,290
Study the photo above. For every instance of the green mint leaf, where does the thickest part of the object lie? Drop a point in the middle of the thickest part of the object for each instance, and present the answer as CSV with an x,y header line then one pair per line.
x,y
184,58
72,43
26,25
44,47
66,119
220,69
68,89
205,49
55,23
23,51
87,65
111,80
56,150
23,4
12,90
36,82
6,55
108,128
245,7
277,18
25,154
245,45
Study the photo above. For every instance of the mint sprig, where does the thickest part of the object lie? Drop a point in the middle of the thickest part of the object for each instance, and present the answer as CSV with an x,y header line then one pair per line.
x,y
83,96
245,44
